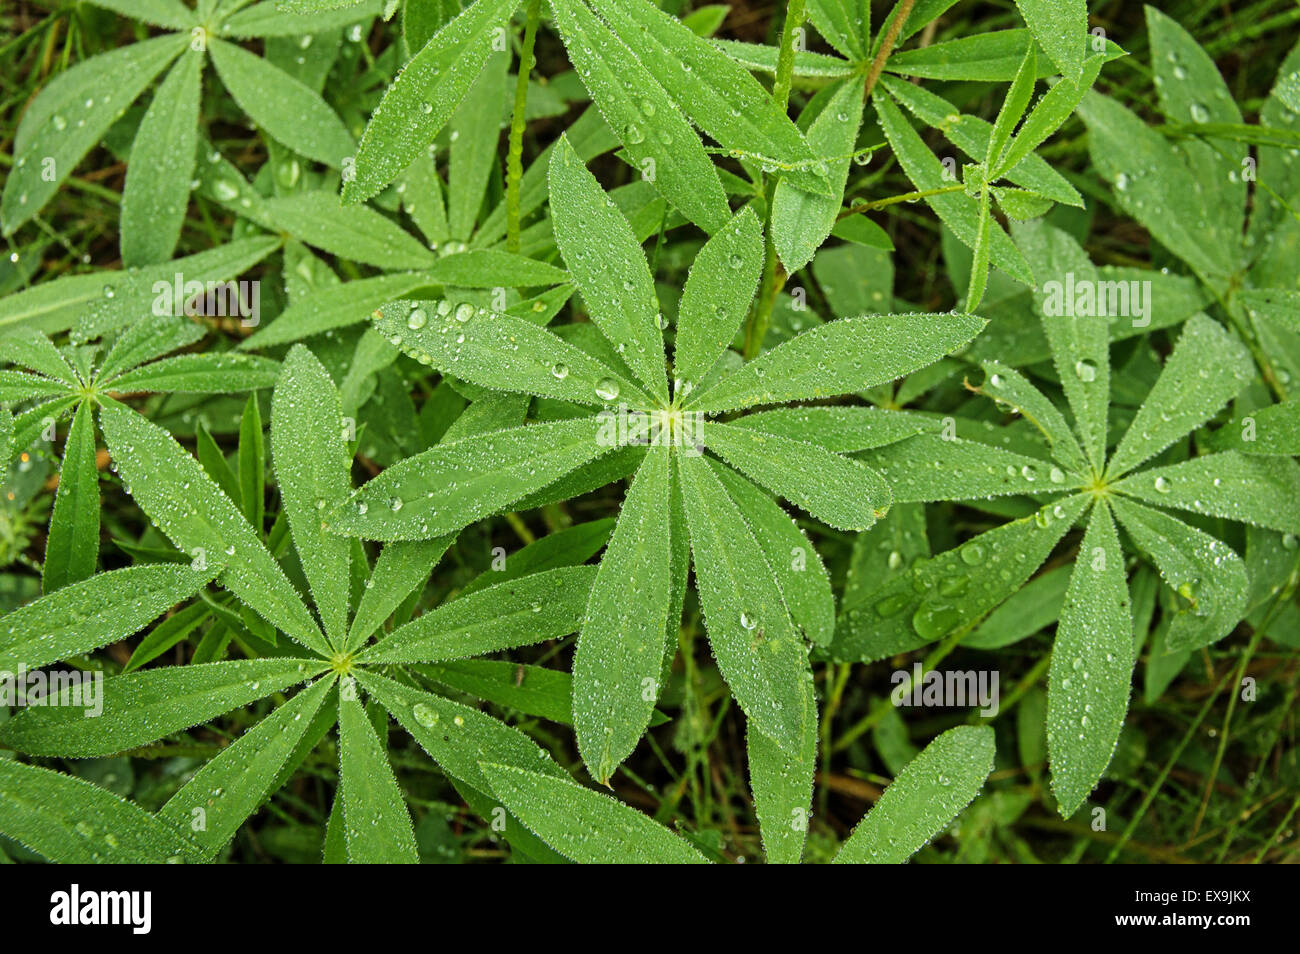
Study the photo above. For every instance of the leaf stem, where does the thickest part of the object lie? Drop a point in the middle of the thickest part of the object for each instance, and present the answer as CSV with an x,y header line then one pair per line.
x,y
904,10
514,157
795,14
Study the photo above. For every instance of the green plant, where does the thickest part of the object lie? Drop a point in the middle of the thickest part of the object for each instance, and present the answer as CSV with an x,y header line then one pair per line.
x,y
581,281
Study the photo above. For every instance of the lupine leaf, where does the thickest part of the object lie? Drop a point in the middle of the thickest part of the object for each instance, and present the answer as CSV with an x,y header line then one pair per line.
x,y
376,824
621,644
520,612
353,232
840,357
608,266
756,645
475,129
290,112
565,815
212,373
1092,666
782,783
1009,387
157,188
839,491
1264,491
452,485
71,821
312,467
928,467
425,94
164,13
400,569
337,306
143,706
841,428
230,787
189,508
927,795
72,548
1061,27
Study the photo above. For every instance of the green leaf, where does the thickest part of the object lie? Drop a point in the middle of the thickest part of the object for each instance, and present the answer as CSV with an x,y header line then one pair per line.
x,y
840,357
70,115
400,569
211,373
475,129
716,297
925,797
170,14
455,736
492,268
1264,491
796,565
192,512
158,175
1048,115
782,783
312,469
608,266
71,821
717,94
531,690
844,23
72,548
660,142
425,94
1205,572
1035,605
502,352
270,18
145,341
290,112
839,491
939,596
620,652
929,467
1061,27
541,606
1208,367
568,547
1012,111
955,209
141,707
94,612
1092,666
455,484
376,824
841,428
565,815
357,233
229,788
252,466
1013,390
754,641
336,306
801,220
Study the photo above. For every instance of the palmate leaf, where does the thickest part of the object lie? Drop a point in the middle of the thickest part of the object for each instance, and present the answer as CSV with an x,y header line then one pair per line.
x,y
84,615
71,114
290,112
657,137
33,350
716,297
927,795
839,357
336,306
929,468
230,787
425,94
531,609
171,14
620,652
608,266
189,508
565,815
454,484
143,706
71,821
841,428
145,341
161,166
357,232
1091,668
938,596
72,548
475,128
275,18
717,94
782,783
376,825
1264,491
846,24
1204,571
840,492
1012,389
502,352
759,652
312,466
1208,367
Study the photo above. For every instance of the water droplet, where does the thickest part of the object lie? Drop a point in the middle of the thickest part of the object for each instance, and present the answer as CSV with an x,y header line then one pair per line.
x,y
424,715
1162,485
607,389
748,622
417,319
972,554
1086,371
560,370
